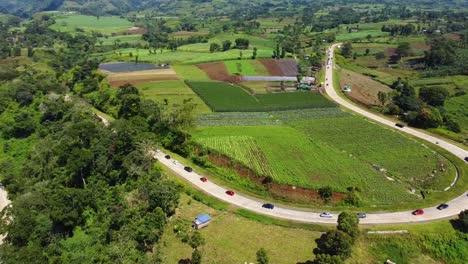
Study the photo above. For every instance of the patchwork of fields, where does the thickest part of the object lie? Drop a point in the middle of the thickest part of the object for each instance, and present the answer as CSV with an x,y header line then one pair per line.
x,y
223,97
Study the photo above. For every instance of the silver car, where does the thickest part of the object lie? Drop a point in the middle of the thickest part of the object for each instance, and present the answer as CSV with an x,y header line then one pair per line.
x,y
326,214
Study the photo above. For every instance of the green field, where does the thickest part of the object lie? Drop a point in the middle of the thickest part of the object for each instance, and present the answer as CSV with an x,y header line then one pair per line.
x,y
239,119
246,67
457,108
105,24
175,92
131,39
224,97
259,43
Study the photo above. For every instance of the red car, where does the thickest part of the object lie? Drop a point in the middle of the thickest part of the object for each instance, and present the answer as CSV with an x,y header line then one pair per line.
x,y
418,212
203,179
231,193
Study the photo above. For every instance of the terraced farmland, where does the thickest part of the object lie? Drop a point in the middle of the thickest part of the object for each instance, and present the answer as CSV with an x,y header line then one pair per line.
x,y
224,97
238,119
299,160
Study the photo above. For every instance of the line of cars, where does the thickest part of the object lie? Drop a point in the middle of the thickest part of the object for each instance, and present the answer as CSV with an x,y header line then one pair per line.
x,y
324,214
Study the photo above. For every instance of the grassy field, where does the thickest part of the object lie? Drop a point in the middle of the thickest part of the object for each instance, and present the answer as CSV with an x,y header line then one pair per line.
x,y
258,42
457,108
179,56
245,67
235,239
224,97
105,24
131,39
175,92
190,72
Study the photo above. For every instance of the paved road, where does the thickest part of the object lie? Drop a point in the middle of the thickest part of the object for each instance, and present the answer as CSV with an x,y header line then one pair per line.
x,y
301,215
455,206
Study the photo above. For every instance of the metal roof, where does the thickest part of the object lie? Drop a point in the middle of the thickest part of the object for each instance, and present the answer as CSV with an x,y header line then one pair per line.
x,y
202,218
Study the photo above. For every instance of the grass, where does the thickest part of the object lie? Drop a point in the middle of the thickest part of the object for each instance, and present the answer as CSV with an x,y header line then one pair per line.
x,y
175,92
190,72
235,239
258,42
131,39
245,67
224,97
457,108
105,24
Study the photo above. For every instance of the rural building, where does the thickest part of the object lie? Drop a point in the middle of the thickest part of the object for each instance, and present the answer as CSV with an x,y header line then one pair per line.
x,y
308,80
201,221
347,88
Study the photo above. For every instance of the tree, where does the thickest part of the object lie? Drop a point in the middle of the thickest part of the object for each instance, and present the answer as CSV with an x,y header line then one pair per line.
x,y
196,240
367,51
368,37
214,47
463,221
346,49
254,53
348,223
380,55
196,257
427,117
326,193
434,95
242,43
262,257
382,96
334,243
403,50
227,45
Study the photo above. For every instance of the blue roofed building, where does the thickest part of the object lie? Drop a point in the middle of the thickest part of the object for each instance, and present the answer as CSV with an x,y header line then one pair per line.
x,y
201,221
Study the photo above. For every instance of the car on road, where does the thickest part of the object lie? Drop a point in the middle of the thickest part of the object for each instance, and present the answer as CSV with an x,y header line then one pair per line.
x,y
466,159
418,212
203,179
230,193
361,215
326,214
187,168
399,125
167,157
442,206
268,206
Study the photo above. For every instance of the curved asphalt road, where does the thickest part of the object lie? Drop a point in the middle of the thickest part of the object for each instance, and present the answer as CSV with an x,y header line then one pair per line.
x,y
455,206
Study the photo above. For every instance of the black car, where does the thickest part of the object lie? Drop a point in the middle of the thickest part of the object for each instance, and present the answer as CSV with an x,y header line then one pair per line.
x,y
466,159
268,206
167,157
442,206
399,125
189,169
361,215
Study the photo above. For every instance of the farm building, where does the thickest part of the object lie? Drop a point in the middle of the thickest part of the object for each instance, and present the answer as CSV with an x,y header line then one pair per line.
x,y
201,221
347,88
308,80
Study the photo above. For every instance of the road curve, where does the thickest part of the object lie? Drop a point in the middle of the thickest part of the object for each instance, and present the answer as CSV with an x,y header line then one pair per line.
x,y
302,215
455,206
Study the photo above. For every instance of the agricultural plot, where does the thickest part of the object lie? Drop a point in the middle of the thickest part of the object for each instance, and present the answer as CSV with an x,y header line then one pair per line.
x,y
130,39
190,72
172,93
299,160
121,78
241,148
245,67
238,119
283,67
258,42
360,35
401,158
223,97
363,88
103,24
306,114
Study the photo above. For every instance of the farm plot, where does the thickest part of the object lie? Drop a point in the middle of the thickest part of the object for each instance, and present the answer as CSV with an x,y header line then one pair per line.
x,y
121,78
238,119
245,67
305,114
103,24
172,93
216,71
399,157
241,148
298,160
283,67
363,88
223,97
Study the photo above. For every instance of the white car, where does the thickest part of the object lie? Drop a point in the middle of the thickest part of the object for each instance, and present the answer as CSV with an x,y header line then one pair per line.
x,y
326,214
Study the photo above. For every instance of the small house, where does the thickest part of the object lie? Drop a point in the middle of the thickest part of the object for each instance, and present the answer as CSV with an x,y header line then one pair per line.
x,y
347,88
201,221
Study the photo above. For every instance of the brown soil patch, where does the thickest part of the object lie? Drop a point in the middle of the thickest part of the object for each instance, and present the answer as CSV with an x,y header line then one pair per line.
x,y
218,71
390,52
363,89
117,83
287,192
136,31
272,67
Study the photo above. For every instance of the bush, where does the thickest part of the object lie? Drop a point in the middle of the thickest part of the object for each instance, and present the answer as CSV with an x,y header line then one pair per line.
x,y
326,193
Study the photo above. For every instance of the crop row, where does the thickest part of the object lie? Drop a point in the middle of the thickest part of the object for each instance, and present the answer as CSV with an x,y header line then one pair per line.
x,y
224,97
240,148
238,119
305,114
